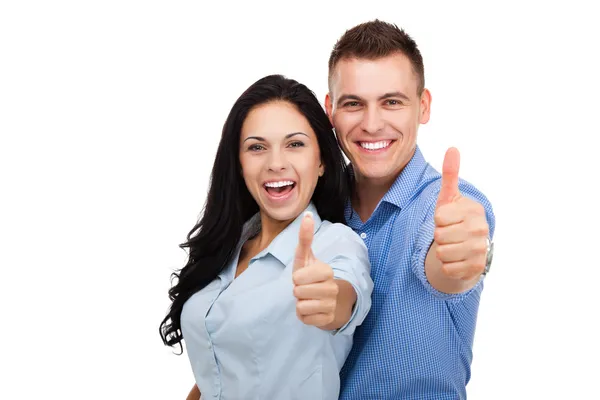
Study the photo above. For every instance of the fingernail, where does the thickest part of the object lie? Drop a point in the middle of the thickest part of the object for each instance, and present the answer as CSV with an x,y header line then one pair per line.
x,y
308,214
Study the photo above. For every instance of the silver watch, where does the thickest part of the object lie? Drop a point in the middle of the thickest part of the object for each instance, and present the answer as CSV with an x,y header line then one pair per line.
x,y
489,256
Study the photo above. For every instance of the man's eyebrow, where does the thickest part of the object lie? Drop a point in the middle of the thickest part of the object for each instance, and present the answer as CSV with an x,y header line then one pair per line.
x,y
388,95
394,94
348,97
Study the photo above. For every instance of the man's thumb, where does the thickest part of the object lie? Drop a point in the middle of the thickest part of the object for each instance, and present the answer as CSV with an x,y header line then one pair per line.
x,y
449,191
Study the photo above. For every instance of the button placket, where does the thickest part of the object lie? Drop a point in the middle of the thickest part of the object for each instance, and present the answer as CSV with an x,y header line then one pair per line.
x,y
222,286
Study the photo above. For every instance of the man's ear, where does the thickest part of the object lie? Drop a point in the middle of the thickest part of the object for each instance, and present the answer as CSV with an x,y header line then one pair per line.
x,y
425,107
329,107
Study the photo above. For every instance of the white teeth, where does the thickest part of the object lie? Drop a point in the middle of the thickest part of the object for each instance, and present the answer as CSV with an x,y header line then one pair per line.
x,y
375,145
278,184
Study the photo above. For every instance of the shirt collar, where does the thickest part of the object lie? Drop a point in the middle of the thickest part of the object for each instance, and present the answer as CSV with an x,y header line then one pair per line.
x,y
283,247
405,185
401,191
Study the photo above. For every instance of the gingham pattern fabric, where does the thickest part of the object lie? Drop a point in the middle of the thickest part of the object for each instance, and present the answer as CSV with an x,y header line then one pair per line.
x,y
416,342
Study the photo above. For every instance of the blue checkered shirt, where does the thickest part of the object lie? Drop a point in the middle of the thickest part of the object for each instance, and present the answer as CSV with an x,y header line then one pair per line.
x,y
416,342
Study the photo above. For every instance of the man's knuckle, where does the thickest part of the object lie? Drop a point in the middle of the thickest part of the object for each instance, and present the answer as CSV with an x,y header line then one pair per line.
x,y
445,269
476,268
480,247
478,209
440,253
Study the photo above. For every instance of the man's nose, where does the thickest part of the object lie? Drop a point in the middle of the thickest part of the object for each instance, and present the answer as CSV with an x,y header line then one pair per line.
x,y
372,121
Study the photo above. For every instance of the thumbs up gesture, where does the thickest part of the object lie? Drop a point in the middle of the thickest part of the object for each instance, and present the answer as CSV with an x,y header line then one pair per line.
x,y
461,228
314,286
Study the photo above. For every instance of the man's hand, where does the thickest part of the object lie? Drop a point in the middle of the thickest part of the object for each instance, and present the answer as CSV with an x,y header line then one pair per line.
x,y
460,237
314,285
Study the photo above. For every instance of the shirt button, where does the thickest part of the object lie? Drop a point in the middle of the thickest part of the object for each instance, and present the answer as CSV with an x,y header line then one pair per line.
x,y
363,235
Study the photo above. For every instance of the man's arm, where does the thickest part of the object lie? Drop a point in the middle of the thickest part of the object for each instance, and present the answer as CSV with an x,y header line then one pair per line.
x,y
452,277
457,257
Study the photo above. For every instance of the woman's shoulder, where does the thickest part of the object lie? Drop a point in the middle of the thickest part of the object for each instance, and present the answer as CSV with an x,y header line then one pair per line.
x,y
336,241
336,231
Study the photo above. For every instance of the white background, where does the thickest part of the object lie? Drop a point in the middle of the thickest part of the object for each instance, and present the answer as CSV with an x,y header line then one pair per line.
x,y
110,114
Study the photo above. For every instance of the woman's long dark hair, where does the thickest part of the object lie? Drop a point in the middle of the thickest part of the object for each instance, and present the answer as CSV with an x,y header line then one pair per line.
x,y
213,240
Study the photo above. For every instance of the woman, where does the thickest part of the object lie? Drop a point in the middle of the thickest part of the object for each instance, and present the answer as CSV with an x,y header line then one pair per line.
x,y
269,298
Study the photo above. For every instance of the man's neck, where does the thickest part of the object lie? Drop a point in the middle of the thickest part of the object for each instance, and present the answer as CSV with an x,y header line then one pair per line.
x,y
368,193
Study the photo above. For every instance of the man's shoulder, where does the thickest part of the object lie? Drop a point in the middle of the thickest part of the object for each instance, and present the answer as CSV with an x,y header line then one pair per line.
x,y
427,187
427,191
430,184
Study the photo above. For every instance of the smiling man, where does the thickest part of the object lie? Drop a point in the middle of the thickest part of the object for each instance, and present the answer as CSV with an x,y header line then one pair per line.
x,y
428,234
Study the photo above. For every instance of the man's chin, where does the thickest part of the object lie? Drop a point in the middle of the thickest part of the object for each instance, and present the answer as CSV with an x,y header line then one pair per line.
x,y
380,172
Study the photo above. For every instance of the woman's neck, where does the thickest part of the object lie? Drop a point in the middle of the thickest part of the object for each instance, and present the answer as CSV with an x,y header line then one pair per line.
x,y
269,229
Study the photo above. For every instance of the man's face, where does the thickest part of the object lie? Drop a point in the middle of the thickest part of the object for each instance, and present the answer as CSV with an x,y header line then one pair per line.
x,y
376,111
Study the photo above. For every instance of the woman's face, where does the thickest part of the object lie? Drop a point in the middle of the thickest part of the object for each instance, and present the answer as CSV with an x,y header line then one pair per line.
x,y
280,159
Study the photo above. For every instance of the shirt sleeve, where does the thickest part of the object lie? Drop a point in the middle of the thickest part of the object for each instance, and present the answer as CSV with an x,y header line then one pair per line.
x,y
425,239
347,255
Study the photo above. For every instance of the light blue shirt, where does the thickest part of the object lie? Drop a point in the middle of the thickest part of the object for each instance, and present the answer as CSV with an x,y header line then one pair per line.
x,y
243,337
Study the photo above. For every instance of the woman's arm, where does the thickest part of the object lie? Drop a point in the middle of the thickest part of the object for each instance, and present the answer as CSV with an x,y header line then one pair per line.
x,y
194,393
346,299
335,295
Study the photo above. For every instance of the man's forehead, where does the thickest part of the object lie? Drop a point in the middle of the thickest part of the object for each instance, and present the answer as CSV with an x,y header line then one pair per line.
x,y
361,77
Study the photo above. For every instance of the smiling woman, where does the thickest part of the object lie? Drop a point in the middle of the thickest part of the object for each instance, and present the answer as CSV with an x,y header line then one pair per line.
x,y
281,169
265,311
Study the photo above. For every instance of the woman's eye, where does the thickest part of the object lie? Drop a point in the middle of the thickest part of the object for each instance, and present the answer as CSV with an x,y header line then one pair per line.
x,y
256,147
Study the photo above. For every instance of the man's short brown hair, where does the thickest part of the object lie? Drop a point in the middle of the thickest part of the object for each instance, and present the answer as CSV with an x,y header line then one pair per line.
x,y
376,39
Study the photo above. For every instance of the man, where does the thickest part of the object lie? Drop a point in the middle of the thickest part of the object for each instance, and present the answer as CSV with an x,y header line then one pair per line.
x,y
428,234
